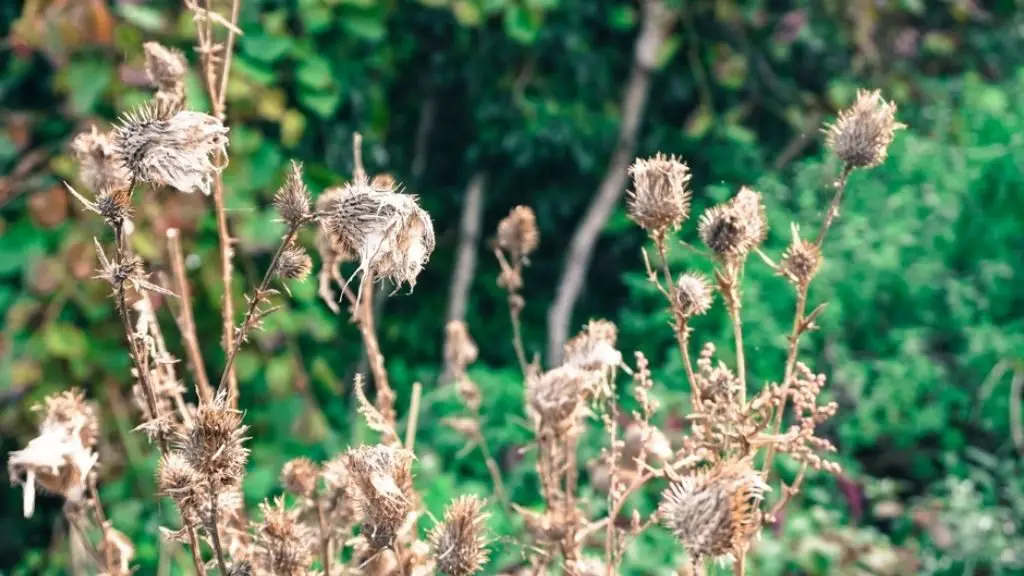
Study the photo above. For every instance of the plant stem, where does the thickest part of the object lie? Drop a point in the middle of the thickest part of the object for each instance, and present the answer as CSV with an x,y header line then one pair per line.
x,y
196,558
681,329
492,468
185,319
513,309
228,53
414,413
250,313
739,568
364,319
325,537
214,530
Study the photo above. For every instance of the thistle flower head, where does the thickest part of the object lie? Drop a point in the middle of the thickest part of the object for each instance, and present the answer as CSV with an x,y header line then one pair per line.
x,y
732,229
861,135
214,444
392,236
749,205
283,544
458,544
714,513
692,295
179,481
114,205
299,476
594,347
518,233
98,167
60,458
555,396
166,146
660,199
800,261
292,200
294,263
381,484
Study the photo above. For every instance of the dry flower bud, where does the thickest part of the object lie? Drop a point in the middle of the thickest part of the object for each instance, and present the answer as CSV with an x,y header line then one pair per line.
x,y
292,199
299,476
468,428
381,484
166,69
692,295
178,480
97,165
166,146
294,263
114,205
801,260
283,545
861,135
121,552
659,200
715,513
518,233
335,473
214,444
390,233
459,348
459,544
732,229
555,395
749,205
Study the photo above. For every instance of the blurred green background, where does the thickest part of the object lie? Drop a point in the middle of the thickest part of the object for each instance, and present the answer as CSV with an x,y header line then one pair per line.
x,y
921,340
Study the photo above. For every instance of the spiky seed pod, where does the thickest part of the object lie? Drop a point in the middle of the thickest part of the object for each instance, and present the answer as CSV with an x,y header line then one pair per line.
x,y
381,484
458,544
283,545
750,207
800,261
115,206
294,263
292,200
555,396
715,513
460,349
179,481
166,146
166,69
861,135
518,233
98,167
723,231
121,552
659,200
299,476
392,236
692,295
214,444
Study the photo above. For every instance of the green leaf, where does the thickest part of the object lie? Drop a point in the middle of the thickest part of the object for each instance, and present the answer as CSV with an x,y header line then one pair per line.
x,y
280,375
149,18
622,17
87,80
323,104
467,13
364,25
522,25
65,341
265,47
314,72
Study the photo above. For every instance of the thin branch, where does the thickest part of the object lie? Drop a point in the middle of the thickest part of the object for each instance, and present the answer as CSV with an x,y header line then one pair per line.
x,y
325,537
228,54
185,319
414,414
214,530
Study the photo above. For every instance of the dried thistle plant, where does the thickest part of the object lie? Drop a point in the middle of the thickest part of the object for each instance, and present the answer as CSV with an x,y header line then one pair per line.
x,y
458,544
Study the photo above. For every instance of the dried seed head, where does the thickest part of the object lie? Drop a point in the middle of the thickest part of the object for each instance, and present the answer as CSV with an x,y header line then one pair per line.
x,y
115,205
294,263
714,513
98,168
179,481
243,568
299,476
556,395
381,485
392,236
292,199
460,350
458,544
732,229
214,444
693,295
60,458
593,349
166,146
801,260
166,69
283,544
383,183
861,135
518,233
660,200
335,473
717,384
120,550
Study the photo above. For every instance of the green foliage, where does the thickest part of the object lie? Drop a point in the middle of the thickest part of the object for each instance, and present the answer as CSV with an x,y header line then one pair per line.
x,y
921,271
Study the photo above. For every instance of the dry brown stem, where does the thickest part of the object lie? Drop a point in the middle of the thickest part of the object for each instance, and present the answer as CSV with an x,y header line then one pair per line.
x,y
185,319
